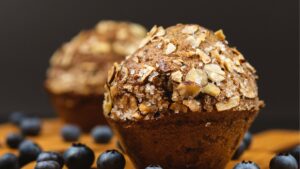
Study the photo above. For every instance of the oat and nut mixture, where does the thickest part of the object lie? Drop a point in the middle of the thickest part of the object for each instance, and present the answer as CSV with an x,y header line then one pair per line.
x,y
80,66
181,69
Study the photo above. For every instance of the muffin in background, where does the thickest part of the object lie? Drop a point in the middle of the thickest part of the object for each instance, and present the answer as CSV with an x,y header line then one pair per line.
x,y
78,70
184,99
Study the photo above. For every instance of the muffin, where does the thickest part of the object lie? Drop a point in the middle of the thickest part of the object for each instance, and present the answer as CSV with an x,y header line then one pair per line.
x,y
78,70
184,99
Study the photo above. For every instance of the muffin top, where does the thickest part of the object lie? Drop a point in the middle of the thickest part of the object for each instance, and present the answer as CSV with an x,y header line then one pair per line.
x,y
181,69
80,66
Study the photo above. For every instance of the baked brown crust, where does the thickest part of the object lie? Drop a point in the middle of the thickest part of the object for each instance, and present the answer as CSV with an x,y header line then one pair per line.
x,y
181,69
80,66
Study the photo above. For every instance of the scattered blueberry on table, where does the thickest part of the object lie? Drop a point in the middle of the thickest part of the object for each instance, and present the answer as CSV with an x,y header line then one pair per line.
x,y
247,139
283,161
28,152
102,134
9,161
111,159
78,156
13,140
295,152
239,151
246,165
30,126
47,165
244,145
70,132
51,156
153,167
16,118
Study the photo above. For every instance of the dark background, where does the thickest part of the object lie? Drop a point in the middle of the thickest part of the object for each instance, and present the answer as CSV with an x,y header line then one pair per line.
x,y
265,31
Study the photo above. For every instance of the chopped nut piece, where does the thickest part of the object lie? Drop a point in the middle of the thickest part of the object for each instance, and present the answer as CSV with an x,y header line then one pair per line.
x,y
202,36
248,88
204,57
170,48
136,59
124,73
148,38
207,124
193,105
152,76
137,115
160,32
145,72
178,107
229,64
192,41
100,47
122,34
231,103
197,76
250,67
214,72
128,87
211,89
144,41
110,74
188,89
190,29
152,31
146,108
113,90
107,103
238,69
178,62
177,76
220,34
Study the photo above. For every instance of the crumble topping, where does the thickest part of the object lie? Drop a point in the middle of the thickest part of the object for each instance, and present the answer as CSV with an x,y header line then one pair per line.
x,y
80,66
181,69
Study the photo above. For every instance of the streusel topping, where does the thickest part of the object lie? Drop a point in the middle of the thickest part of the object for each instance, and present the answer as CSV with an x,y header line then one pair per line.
x,y
80,66
181,69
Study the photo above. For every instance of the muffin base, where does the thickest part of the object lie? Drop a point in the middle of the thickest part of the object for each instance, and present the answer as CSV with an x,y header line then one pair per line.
x,y
191,140
84,111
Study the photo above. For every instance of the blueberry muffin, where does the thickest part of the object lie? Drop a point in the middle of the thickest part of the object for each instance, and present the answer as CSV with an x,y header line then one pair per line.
x,y
78,70
184,99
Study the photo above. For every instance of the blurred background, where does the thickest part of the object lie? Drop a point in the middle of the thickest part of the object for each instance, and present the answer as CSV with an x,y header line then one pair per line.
x,y
266,32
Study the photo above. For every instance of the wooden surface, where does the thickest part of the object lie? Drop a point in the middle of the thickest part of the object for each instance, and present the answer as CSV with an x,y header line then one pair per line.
x,y
264,145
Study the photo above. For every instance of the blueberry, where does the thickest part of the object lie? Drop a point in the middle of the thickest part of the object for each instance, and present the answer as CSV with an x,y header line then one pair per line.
x,y
283,161
51,156
247,139
111,159
79,156
70,132
16,118
30,126
28,151
47,165
239,151
102,134
9,161
246,165
153,167
13,140
295,152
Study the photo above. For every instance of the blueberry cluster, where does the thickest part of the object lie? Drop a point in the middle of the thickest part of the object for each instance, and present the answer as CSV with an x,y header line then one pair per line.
x,y
288,160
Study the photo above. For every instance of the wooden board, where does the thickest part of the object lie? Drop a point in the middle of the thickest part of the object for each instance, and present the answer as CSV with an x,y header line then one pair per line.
x,y
264,145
